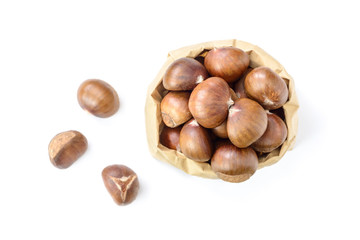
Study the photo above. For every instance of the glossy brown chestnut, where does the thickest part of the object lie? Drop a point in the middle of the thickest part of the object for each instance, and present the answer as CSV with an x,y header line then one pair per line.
x,y
196,142
210,101
234,164
274,135
121,182
246,122
239,88
228,63
221,130
98,98
170,137
184,74
175,108
66,147
266,87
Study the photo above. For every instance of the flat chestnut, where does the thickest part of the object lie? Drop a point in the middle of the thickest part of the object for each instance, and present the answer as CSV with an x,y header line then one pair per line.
x,y
67,147
228,63
121,182
184,74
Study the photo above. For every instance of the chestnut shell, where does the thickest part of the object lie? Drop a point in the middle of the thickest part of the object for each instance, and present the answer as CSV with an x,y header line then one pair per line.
x,y
121,182
98,98
274,136
184,74
234,164
221,130
196,142
175,108
239,87
228,63
209,102
266,87
170,137
246,122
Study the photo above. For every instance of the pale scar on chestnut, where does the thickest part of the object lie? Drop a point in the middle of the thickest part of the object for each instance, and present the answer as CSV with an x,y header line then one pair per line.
x,y
123,184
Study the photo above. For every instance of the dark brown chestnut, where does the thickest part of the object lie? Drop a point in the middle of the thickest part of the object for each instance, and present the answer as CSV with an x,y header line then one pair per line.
x,y
210,101
246,122
234,164
121,182
170,137
228,63
175,108
274,135
98,98
196,142
239,88
184,74
221,130
266,87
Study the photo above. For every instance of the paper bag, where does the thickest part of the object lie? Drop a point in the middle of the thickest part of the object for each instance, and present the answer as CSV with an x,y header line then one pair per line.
x,y
156,92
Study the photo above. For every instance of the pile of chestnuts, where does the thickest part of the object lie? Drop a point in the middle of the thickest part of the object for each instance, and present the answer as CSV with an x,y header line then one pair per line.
x,y
219,110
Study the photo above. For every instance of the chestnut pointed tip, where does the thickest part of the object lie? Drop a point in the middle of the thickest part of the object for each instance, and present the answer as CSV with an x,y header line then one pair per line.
x,y
199,79
230,102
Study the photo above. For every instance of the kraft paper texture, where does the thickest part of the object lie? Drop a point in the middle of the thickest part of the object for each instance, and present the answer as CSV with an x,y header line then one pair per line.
x,y
156,91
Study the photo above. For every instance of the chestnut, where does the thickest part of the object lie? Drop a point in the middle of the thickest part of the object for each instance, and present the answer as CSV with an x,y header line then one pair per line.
x,y
121,182
274,135
170,137
234,164
228,63
221,130
98,98
196,142
266,87
239,88
184,74
67,147
175,108
246,122
209,102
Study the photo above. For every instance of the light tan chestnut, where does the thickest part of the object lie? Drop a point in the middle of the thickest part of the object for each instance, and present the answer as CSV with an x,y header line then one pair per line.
x,y
170,137
228,63
239,87
175,108
246,122
274,135
121,182
196,142
210,101
221,130
266,87
184,74
66,147
98,98
234,164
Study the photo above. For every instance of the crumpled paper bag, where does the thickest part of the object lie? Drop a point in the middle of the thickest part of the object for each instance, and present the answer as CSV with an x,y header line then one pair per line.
x,y
156,91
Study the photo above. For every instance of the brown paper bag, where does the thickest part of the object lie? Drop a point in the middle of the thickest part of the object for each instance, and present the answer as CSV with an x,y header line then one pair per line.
x,y
156,91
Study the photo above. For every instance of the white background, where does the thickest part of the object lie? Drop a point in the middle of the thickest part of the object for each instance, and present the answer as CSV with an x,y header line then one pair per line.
x,y
47,48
